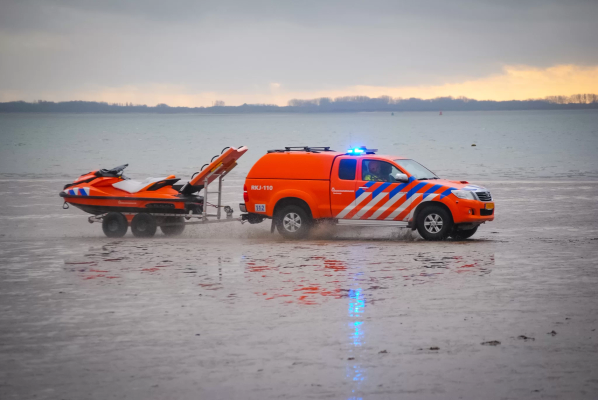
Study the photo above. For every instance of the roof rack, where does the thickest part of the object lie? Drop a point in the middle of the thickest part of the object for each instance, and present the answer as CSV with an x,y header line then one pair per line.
x,y
309,149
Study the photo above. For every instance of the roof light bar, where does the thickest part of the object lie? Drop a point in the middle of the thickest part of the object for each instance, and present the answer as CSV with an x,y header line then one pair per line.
x,y
356,151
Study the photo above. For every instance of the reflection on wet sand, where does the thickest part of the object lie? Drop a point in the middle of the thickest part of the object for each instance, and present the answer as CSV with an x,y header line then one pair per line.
x,y
291,275
422,268
292,310
355,372
287,276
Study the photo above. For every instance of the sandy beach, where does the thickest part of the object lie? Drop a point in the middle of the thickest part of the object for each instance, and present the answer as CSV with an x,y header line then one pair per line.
x,y
232,311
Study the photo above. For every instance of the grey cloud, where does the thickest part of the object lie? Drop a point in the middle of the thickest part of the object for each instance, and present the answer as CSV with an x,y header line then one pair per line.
x,y
242,46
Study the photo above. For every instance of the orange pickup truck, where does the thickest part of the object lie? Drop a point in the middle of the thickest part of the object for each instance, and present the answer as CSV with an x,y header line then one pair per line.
x,y
299,186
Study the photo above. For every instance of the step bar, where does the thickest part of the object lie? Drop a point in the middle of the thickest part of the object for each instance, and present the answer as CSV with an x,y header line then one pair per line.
x,y
350,222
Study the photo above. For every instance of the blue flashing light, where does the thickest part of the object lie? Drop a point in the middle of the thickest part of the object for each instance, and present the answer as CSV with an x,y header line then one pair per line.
x,y
356,150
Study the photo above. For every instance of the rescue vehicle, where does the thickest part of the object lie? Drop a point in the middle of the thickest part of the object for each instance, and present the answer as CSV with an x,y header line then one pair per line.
x,y
298,187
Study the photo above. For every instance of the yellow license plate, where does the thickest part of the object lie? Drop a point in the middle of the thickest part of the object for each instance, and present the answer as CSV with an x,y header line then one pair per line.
x,y
489,206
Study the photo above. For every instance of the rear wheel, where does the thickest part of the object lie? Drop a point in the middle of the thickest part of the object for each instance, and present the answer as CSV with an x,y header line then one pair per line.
x,y
173,230
463,234
114,225
293,222
434,223
143,225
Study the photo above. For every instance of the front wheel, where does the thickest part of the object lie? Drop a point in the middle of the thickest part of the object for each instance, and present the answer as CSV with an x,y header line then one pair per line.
x,y
143,225
463,234
115,225
434,223
293,222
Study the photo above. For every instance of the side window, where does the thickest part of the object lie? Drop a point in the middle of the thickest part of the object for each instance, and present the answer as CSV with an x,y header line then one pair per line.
x,y
346,169
378,171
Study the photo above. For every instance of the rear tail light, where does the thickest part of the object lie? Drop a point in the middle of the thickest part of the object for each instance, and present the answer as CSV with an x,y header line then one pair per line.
x,y
245,194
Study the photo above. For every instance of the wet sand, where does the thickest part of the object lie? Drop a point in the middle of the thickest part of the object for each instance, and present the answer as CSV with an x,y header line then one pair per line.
x,y
231,311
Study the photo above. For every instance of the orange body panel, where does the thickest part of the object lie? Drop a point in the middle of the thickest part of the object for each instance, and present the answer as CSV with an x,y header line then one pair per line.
x,y
139,199
460,210
314,192
99,196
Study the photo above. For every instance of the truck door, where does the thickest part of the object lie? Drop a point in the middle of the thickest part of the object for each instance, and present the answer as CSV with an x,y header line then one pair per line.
x,y
377,194
342,186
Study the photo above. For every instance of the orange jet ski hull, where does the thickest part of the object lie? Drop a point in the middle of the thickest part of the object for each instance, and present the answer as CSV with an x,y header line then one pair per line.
x,y
95,193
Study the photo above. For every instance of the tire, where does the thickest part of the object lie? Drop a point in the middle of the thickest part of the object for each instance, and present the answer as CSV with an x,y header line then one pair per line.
x,y
465,234
293,222
173,230
143,225
115,225
434,223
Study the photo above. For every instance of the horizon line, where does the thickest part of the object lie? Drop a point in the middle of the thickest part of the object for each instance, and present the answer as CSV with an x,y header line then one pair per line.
x,y
580,98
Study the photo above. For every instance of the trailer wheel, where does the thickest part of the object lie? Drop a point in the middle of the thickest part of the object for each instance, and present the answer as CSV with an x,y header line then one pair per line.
x,y
293,222
115,225
434,223
143,225
173,230
464,234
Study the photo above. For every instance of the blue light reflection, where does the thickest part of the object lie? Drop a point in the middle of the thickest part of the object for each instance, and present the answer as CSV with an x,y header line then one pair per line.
x,y
356,308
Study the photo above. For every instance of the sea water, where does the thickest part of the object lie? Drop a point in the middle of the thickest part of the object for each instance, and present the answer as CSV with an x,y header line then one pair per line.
x,y
457,145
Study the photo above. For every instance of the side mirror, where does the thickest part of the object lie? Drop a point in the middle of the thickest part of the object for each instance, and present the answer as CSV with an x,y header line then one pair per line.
x,y
401,177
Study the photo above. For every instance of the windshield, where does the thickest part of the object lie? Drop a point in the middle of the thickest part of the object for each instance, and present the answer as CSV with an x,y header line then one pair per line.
x,y
416,170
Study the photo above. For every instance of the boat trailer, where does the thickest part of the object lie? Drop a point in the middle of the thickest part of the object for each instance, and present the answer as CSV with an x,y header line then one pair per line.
x,y
194,218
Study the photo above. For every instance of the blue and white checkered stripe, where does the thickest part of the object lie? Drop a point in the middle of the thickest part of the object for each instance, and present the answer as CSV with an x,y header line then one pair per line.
x,y
84,191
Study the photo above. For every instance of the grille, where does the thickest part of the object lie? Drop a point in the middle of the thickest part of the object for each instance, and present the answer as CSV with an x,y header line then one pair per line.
x,y
486,212
484,196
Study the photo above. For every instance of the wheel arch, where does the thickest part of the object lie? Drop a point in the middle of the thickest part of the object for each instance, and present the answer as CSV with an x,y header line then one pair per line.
x,y
423,206
287,201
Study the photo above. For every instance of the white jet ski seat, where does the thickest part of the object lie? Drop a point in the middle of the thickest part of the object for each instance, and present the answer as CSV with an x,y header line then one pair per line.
x,y
133,186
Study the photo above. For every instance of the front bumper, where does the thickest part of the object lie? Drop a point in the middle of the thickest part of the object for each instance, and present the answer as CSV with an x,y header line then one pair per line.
x,y
472,211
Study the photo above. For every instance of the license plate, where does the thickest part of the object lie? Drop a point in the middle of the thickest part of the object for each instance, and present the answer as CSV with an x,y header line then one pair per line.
x,y
489,206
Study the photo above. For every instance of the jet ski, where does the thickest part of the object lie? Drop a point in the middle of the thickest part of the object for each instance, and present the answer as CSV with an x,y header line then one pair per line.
x,y
145,205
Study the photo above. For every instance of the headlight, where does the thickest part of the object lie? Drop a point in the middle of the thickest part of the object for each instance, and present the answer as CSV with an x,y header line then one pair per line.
x,y
464,194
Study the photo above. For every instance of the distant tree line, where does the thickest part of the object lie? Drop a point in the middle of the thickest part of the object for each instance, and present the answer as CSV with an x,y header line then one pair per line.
x,y
574,99
324,104
386,103
103,107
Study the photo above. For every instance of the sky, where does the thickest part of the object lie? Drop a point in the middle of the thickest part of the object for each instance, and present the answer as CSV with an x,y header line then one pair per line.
x,y
192,53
